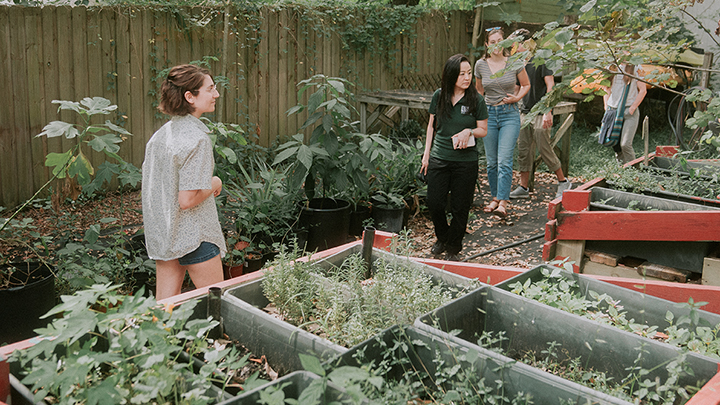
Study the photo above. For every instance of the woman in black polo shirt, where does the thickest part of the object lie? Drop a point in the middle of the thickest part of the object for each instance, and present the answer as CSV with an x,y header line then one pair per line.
x,y
450,160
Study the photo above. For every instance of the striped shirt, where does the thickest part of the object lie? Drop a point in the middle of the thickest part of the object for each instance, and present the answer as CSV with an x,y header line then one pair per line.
x,y
495,88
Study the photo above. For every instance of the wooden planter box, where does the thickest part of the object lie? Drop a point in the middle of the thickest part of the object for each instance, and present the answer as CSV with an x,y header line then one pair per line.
x,y
675,244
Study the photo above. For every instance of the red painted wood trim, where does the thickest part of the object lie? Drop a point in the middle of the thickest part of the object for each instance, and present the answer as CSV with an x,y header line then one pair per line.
x,y
4,379
549,250
484,273
675,292
666,150
709,394
576,200
550,230
645,225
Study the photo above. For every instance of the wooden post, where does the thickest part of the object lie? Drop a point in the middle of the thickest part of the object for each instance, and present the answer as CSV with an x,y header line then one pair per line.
x,y
646,137
707,64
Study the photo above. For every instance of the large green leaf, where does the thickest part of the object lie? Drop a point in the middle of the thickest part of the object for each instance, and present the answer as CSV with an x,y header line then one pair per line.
x,y
98,105
305,156
117,128
59,128
338,85
315,100
109,142
82,168
58,161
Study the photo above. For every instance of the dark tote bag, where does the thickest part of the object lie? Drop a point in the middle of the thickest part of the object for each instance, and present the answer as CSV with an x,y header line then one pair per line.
x,y
612,122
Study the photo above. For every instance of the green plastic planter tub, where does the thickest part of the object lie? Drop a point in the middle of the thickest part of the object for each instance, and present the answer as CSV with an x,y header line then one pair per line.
x,y
529,326
281,342
292,386
418,356
643,308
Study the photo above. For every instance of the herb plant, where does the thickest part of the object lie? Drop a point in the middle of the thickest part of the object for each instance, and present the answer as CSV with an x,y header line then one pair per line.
x,y
341,305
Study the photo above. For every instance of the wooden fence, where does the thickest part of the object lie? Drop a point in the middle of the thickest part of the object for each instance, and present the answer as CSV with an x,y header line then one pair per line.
x,y
66,53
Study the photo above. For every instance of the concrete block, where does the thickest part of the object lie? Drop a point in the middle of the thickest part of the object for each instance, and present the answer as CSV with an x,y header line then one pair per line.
x,y
711,271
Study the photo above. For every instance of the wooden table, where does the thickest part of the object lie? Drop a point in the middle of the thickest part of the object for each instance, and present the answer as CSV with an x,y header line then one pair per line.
x,y
389,102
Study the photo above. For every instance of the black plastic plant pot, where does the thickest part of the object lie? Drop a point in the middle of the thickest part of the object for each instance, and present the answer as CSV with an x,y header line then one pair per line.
x,y
415,356
358,217
388,219
30,294
642,308
529,327
292,386
326,222
254,261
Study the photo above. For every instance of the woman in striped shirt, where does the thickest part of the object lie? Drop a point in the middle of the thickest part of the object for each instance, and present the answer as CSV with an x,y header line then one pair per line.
x,y
497,83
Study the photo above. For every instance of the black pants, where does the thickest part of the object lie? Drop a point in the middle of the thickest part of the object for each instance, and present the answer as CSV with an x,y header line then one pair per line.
x,y
458,179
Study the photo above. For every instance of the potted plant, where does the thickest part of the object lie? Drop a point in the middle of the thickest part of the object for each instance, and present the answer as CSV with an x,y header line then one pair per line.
x,y
336,157
261,206
394,186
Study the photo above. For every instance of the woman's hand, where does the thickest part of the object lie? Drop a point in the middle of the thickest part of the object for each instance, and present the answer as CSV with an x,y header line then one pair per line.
x,y
510,99
425,163
216,185
462,138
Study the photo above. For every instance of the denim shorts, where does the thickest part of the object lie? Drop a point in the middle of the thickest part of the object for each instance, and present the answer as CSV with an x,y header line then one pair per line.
x,y
205,252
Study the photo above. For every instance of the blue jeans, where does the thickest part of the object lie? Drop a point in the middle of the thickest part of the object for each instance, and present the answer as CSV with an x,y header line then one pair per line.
x,y
502,134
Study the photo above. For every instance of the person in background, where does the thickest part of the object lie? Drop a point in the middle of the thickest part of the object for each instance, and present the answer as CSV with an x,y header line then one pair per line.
x,y
637,90
504,117
541,82
182,230
458,116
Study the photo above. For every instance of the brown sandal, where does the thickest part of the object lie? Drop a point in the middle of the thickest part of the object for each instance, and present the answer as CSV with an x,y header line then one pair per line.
x,y
492,206
501,210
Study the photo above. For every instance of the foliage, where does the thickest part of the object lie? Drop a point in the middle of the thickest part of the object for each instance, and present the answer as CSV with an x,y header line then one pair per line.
x,y
262,205
105,138
227,140
340,304
396,177
114,348
95,260
559,291
336,155
610,33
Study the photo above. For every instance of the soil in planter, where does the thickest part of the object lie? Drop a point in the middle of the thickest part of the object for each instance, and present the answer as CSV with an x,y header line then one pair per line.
x,y
255,364
342,306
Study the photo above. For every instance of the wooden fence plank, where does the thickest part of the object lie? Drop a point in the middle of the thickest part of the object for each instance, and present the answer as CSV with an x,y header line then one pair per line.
x,y
65,72
95,75
36,82
51,74
20,98
263,85
122,43
8,128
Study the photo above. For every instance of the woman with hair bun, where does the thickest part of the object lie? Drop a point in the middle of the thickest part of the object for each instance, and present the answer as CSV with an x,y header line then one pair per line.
x,y
182,230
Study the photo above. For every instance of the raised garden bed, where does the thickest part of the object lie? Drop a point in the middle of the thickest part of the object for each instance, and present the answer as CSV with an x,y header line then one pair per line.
x,y
526,330
270,335
636,220
683,325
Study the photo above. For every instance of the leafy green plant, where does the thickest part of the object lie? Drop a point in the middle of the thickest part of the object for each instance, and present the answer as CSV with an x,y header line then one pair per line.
x,y
336,155
264,208
126,349
103,138
396,176
98,260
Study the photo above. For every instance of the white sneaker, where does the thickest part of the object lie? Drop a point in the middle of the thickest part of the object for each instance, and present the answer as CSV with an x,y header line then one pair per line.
x,y
519,192
562,186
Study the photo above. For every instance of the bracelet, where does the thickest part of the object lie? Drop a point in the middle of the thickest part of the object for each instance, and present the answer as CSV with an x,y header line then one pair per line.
x,y
472,132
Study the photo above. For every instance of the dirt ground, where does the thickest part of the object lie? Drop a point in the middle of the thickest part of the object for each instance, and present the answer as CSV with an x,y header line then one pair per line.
x,y
526,218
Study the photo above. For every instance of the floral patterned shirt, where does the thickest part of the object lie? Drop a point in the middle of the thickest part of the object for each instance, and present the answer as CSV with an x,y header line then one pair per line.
x,y
179,156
